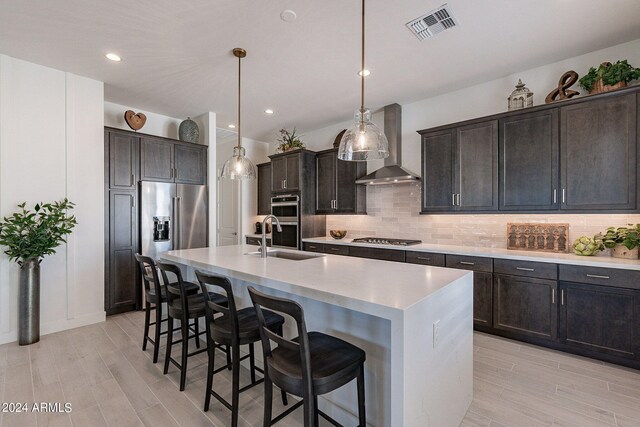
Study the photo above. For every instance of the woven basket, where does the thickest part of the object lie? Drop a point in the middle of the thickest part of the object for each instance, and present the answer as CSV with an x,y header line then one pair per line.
x,y
600,87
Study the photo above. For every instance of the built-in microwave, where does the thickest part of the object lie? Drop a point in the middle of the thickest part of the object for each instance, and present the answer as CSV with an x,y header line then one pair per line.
x,y
287,209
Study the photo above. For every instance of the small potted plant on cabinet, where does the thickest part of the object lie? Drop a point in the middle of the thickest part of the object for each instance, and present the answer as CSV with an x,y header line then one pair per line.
x,y
289,141
609,76
28,236
623,241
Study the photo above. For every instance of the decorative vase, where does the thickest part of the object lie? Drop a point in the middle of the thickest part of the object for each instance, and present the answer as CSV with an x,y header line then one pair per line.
x,y
29,302
600,87
621,251
188,131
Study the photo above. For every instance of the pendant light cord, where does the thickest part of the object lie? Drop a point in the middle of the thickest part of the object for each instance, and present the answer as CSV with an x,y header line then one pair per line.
x,y
239,85
362,68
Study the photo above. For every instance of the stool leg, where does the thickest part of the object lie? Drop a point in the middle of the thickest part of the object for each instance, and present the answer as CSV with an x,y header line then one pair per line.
x,y
252,363
184,325
235,392
196,325
316,418
167,355
361,408
283,393
228,358
147,309
268,400
211,351
156,346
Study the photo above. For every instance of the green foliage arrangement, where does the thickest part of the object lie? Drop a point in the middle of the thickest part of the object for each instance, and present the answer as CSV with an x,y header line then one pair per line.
x,y
627,236
588,246
610,74
33,234
289,140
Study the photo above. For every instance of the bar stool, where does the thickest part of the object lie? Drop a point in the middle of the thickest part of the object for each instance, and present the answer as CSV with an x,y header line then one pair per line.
x,y
309,365
155,293
182,306
233,328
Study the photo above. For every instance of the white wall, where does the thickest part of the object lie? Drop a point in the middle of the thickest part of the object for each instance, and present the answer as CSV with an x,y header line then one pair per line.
x,y
156,124
51,147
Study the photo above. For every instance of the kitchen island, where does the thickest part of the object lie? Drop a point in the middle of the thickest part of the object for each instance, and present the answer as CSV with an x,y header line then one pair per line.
x,y
414,322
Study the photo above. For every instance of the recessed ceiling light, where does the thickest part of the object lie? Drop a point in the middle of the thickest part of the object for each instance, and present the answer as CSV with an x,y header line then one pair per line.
x,y
232,126
268,111
288,15
113,57
365,72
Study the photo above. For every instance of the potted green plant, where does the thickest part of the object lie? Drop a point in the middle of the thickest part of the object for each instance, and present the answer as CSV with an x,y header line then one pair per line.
x,y
588,246
609,76
289,141
29,236
623,241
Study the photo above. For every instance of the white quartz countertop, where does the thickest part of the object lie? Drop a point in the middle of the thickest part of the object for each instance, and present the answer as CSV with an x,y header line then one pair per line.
x,y
591,261
381,288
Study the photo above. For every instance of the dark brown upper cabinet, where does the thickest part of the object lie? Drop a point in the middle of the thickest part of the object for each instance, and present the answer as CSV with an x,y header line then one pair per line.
x,y
337,191
264,188
166,161
598,154
460,169
123,160
528,161
285,172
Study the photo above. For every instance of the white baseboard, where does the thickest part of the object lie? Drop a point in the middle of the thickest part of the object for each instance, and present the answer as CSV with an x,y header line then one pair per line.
x,y
59,325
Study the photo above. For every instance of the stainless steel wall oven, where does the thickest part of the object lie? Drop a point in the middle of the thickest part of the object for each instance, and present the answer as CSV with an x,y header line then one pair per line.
x,y
287,209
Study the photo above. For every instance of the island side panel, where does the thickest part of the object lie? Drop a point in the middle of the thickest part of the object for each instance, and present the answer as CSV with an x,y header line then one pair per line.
x,y
438,379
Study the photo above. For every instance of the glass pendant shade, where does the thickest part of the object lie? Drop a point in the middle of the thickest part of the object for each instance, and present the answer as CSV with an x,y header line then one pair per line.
x,y
238,166
364,141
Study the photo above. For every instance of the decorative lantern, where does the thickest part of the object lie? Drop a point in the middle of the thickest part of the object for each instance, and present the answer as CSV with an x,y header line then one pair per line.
x,y
520,98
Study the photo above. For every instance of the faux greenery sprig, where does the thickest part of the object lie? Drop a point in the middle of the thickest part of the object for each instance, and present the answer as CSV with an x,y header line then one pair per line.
x,y
627,236
610,74
33,234
289,140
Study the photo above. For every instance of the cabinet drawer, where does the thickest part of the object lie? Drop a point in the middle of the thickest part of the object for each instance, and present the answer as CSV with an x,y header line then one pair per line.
x,y
313,247
541,270
376,253
473,263
336,249
600,276
425,258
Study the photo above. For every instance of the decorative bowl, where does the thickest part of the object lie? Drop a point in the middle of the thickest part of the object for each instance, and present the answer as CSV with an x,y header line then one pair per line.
x,y
338,234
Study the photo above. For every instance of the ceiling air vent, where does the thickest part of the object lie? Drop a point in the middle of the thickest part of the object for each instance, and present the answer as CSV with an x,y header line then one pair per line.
x,y
432,23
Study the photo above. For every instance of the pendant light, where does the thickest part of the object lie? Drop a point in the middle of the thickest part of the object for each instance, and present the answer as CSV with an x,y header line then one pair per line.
x,y
239,166
364,141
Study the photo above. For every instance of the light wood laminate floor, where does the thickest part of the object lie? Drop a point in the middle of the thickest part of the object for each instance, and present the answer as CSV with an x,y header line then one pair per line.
x,y
102,371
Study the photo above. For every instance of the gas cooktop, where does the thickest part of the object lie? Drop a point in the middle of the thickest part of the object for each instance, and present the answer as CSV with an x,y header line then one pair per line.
x,y
387,241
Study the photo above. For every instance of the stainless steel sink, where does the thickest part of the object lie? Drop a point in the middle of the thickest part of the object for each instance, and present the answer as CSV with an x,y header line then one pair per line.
x,y
294,256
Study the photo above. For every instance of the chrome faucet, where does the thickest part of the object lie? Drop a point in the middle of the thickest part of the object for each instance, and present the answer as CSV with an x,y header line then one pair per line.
x,y
263,246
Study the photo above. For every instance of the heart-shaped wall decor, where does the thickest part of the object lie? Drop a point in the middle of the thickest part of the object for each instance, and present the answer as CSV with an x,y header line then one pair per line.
x,y
135,121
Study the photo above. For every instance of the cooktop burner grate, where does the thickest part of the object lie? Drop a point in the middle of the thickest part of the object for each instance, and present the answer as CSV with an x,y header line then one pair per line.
x,y
387,241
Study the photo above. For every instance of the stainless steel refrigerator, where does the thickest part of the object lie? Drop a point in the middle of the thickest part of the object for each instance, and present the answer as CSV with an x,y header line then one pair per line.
x,y
172,216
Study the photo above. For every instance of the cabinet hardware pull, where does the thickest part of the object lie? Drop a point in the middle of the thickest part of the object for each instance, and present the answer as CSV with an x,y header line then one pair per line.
x,y
524,269
458,196
335,204
176,174
453,199
563,195
335,249
553,296
555,196
467,263
133,179
597,276
285,183
424,258
312,247
133,202
562,297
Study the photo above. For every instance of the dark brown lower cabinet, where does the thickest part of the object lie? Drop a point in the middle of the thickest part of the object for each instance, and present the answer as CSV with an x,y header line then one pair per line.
x,y
600,319
525,306
376,253
482,298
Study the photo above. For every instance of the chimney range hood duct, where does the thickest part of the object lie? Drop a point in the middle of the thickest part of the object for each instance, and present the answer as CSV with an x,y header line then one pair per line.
x,y
391,172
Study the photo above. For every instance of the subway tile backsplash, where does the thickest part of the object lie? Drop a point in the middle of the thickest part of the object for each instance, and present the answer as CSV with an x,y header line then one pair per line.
x,y
393,211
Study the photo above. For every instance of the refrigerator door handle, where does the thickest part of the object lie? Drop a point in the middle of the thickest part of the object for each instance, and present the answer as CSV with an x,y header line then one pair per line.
x,y
178,243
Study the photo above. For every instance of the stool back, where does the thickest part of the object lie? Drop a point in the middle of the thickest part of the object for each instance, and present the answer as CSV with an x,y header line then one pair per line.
x,y
175,289
211,308
150,275
294,310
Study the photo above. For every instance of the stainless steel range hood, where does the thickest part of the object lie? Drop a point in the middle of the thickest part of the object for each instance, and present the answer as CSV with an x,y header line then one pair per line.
x,y
391,172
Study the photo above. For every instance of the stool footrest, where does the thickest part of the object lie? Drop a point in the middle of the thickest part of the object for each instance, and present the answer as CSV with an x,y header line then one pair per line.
x,y
287,412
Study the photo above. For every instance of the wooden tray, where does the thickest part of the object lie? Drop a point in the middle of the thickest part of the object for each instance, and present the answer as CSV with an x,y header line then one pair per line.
x,y
541,237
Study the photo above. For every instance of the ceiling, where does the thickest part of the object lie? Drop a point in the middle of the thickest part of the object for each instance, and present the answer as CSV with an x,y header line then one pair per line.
x,y
177,56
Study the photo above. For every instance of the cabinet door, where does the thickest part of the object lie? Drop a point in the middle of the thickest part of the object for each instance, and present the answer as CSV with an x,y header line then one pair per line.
x,y
476,170
528,159
482,298
598,154
264,189
190,164
377,253
157,160
292,178
437,171
350,198
122,290
325,182
601,319
525,306
123,161
278,174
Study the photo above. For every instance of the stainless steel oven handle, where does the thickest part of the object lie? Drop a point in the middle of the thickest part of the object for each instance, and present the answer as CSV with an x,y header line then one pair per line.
x,y
284,204
288,223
